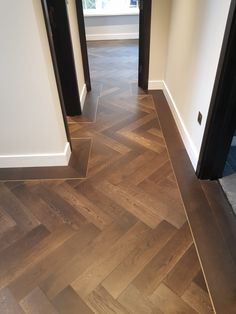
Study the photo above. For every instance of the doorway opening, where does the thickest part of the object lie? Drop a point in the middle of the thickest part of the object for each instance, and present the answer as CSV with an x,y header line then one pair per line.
x,y
59,36
112,37
110,19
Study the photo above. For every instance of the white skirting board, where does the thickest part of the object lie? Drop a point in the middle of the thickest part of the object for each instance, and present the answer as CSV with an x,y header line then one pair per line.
x,y
153,85
83,96
36,160
188,143
120,36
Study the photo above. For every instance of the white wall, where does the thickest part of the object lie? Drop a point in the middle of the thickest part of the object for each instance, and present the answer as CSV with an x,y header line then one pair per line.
x,y
112,27
72,16
32,131
160,21
195,40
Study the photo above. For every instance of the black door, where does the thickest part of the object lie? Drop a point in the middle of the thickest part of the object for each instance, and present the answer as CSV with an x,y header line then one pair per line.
x,y
57,23
145,7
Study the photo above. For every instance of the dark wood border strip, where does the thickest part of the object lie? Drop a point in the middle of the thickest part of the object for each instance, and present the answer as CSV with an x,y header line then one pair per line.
x,y
77,168
218,265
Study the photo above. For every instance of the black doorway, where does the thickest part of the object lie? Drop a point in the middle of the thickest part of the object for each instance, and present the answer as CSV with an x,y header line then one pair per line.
x,y
56,19
221,122
145,8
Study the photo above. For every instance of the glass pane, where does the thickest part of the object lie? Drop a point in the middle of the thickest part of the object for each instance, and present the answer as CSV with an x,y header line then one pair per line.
x,y
133,3
89,4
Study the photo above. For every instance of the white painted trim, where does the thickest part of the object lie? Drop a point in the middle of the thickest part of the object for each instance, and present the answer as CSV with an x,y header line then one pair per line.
x,y
189,145
117,36
36,160
153,85
83,96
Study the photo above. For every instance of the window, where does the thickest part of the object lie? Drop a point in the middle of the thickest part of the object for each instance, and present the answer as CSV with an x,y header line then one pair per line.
x,y
89,4
112,6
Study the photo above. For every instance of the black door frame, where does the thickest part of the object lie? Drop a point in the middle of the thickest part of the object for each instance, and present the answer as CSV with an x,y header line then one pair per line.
x,y
145,7
221,121
83,43
59,29
56,71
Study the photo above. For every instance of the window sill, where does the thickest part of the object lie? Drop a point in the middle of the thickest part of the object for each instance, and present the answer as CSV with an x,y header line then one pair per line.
x,y
92,12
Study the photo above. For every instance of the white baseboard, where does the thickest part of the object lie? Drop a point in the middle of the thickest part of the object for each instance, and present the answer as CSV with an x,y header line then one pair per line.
x,y
36,160
189,145
93,37
83,96
153,85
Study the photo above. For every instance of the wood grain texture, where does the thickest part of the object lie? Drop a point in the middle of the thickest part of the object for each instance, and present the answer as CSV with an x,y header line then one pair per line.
x,y
117,240
212,222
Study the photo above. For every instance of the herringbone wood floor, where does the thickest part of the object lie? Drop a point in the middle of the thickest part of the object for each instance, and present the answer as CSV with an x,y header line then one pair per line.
x,y
117,241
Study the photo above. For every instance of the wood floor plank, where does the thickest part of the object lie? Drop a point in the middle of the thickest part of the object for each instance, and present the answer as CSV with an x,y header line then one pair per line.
x,y
15,257
197,299
85,207
9,237
21,215
53,262
58,280
68,302
108,206
158,268
36,253
39,271
168,302
6,222
135,302
60,206
36,302
131,204
8,304
104,265
184,272
41,210
134,263
156,204
100,301
167,200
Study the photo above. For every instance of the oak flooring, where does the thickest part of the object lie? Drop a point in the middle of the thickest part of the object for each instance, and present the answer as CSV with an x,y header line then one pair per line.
x,y
209,214
116,241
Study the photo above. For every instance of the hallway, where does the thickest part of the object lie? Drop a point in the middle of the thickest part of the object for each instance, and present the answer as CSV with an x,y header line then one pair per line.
x,y
116,241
